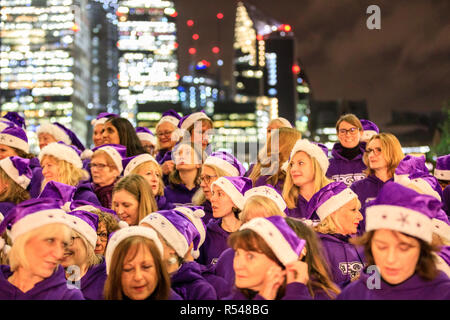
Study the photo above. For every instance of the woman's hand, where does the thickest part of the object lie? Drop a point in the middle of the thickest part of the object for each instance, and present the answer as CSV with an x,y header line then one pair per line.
x,y
275,277
297,271
167,167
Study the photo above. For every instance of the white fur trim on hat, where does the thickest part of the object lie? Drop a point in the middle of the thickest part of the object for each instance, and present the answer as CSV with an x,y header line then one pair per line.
x,y
222,164
57,133
168,231
418,183
170,119
95,122
13,173
145,136
266,192
367,134
61,152
145,157
441,228
400,219
196,218
230,190
82,227
335,202
115,156
15,142
313,151
38,219
125,233
274,239
86,154
442,174
191,119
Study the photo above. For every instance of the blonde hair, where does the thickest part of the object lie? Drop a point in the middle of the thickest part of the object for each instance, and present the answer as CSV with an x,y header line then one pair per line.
x,y
258,203
14,192
68,173
391,150
17,255
291,191
91,257
199,197
328,225
160,191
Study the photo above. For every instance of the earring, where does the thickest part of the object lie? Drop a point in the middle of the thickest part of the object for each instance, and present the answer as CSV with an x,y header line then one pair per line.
x,y
172,260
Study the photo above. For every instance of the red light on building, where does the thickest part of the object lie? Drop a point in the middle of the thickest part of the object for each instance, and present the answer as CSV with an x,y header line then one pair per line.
x,y
175,45
259,37
220,15
190,23
287,28
195,36
206,63
216,49
75,27
177,76
192,51
296,69
173,15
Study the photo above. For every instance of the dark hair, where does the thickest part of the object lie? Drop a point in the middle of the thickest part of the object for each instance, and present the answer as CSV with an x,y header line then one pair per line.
x,y
426,265
127,136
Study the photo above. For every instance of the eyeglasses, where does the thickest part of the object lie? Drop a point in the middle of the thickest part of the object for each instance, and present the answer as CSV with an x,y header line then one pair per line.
x,y
165,133
207,178
352,131
100,166
103,236
72,240
375,151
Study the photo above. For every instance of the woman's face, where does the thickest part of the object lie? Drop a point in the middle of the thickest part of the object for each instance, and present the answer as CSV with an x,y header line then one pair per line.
x,y
148,147
186,159
139,278
200,134
126,206
348,135
75,253
7,151
301,169
250,268
221,203
164,135
50,169
150,172
110,134
207,177
347,217
377,161
45,139
395,254
97,135
102,174
44,254
102,238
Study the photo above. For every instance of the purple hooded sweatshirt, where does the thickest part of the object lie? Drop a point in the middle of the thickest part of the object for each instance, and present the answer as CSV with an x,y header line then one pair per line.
x,y
344,170
446,200
163,204
414,288
5,207
52,288
294,291
178,194
344,259
93,282
207,208
189,283
222,287
161,157
215,242
300,211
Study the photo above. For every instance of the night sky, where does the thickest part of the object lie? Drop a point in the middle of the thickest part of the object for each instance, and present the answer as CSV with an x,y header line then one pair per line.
x,y
404,66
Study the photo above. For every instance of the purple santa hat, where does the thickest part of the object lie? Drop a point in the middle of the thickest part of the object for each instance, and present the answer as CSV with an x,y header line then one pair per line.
x,y
235,188
102,117
16,118
329,199
188,120
58,190
314,150
85,223
61,133
31,214
402,209
369,129
441,228
277,234
170,116
442,170
86,206
14,136
195,214
62,151
18,169
268,192
130,163
178,231
124,233
145,134
227,162
117,152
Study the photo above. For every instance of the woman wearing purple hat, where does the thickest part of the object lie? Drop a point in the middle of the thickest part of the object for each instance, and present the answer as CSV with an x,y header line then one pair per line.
x,y
80,262
133,199
217,164
148,140
337,207
346,163
442,173
182,239
54,132
196,127
135,266
267,262
15,177
268,169
398,249
39,232
14,143
382,156
369,129
305,175
184,181
227,201
120,131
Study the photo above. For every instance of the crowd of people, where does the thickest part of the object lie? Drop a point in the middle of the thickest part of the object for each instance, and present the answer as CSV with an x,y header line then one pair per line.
x,y
162,216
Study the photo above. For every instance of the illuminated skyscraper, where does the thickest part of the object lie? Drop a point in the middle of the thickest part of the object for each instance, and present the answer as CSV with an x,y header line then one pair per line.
x,y
45,62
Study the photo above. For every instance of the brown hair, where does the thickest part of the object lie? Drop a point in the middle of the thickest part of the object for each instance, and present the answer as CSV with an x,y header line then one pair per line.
x,y
113,284
14,192
199,197
426,265
350,118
